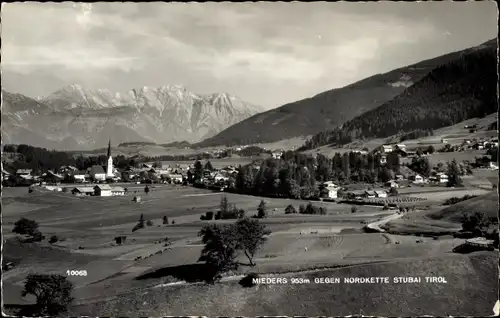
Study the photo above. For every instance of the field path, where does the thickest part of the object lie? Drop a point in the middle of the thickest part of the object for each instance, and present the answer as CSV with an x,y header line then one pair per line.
x,y
376,226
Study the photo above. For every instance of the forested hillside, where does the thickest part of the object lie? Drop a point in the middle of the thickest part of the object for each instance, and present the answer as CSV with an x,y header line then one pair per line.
x,y
456,91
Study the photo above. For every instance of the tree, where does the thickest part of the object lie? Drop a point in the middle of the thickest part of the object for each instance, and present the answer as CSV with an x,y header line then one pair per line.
x,y
302,209
208,166
430,150
146,189
221,244
290,209
165,219
224,205
52,292
262,210
474,222
454,179
198,171
251,236
25,227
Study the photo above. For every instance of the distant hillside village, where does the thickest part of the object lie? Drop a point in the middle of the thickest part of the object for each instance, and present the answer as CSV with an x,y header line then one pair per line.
x,y
286,174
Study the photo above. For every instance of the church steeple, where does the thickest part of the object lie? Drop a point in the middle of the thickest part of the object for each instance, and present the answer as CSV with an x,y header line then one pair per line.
x,y
109,148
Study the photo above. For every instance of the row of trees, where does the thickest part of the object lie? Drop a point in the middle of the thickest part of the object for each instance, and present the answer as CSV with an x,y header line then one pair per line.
x,y
295,175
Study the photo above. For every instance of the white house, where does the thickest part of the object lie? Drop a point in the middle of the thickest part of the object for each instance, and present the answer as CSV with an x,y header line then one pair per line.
x,y
102,190
493,165
219,177
97,173
380,194
331,189
442,177
383,159
24,172
386,148
417,179
176,178
80,176
370,194
117,191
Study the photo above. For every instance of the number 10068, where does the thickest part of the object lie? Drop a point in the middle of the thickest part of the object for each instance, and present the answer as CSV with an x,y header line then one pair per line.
x,y
76,272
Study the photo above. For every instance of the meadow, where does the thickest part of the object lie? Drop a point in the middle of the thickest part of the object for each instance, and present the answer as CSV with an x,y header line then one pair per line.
x,y
86,228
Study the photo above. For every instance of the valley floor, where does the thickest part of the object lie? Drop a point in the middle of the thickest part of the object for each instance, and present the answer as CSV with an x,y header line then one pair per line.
x,y
121,279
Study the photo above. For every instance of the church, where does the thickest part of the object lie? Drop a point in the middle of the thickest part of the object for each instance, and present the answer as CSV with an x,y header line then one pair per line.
x,y
109,167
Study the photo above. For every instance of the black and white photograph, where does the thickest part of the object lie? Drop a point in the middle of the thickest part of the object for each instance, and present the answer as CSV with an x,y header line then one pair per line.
x,y
249,159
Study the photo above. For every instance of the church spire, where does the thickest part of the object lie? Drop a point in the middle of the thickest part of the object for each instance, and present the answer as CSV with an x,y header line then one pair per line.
x,y
109,148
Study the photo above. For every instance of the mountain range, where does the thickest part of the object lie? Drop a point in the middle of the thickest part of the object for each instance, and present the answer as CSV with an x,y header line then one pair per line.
x,y
333,108
75,118
427,95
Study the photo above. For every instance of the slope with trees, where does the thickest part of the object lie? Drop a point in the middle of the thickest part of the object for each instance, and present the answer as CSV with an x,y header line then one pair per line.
x,y
332,108
461,89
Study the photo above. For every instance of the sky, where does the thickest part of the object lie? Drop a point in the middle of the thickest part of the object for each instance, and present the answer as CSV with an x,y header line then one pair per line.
x,y
266,53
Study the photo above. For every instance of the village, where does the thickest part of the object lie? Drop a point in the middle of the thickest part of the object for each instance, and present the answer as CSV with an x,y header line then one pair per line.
x,y
109,181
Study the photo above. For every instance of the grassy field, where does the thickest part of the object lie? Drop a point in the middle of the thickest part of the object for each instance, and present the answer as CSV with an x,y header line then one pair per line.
x,y
86,227
444,219
218,163
468,291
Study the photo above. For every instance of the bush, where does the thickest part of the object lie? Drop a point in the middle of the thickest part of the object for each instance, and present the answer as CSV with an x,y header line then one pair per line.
x,y
149,223
354,209
302,209
475,222
218,215
173,221
290,209
37,236
209,215
455,200
53,239
25,226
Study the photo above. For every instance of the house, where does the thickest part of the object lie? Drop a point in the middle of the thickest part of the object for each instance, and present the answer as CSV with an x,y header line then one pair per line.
x,y
331,192
477,146
24,172
356,194
102,190
493,165
369,194
277,154
400,177
219,177
386,148
392,184
380,194
444,140
383,160
417,178
81,191
52,177
176,178
330,189
80,176
117,191
401,147
97,173
442,177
